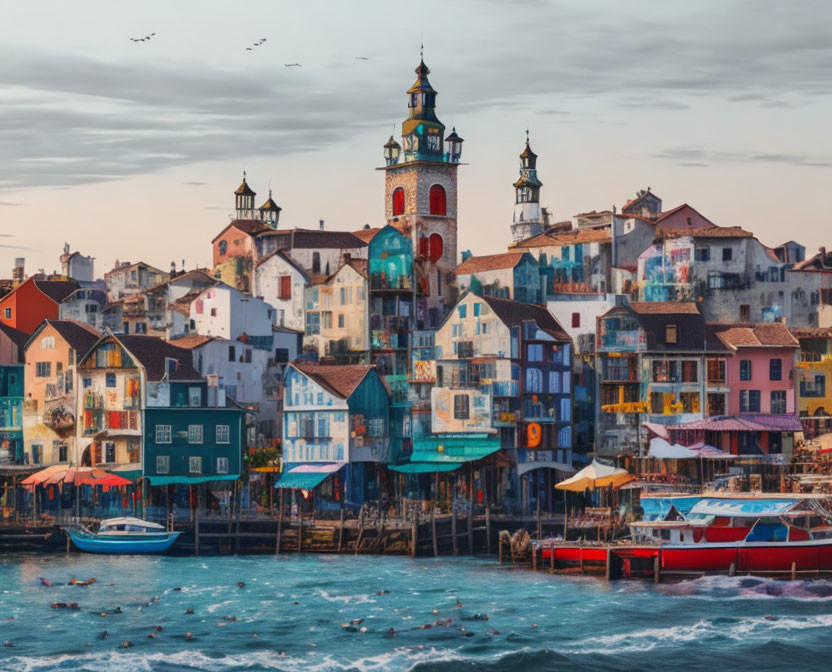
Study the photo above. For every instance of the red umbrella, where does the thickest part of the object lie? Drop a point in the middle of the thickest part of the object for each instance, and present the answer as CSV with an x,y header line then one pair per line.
x,y
92,476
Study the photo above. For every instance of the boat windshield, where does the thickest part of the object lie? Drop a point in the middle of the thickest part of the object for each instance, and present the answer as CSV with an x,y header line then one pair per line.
x,y
768,529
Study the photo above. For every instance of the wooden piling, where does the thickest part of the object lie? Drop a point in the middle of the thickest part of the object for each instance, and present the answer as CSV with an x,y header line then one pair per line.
x,y
552,557
196,534
608,568
732,569
470,532
433,531
656,571
341,530
300,530
794,571
414,531
360,531
488,530
279,525
534,558
453,531
539,524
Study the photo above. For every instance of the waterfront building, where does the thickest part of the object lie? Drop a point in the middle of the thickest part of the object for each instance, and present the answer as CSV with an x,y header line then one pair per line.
x,y
227,312
510,275
813,380
34,301
12,346
502,397
810,285
50,409
336,433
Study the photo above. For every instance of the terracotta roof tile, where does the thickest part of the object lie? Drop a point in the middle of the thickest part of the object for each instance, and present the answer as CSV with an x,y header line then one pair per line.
x,y
762,334
366,234
665,308
561,238
711,232
250,227
339,380
191,341
490,262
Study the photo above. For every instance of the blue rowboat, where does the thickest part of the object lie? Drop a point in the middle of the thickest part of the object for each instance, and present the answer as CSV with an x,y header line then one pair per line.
x,y
123,536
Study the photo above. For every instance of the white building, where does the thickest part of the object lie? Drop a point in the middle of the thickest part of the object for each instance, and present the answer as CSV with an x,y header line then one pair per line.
x,y
227,312
280,280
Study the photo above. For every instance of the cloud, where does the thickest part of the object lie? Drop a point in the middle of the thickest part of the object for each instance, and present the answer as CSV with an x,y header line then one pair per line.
x,y
9,204
703,157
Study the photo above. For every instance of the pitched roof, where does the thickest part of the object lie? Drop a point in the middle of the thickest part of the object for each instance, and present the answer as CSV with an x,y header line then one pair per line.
x,y
821,261
489,262
818,332
80,335
360,266
665,308
191,341
514,313
316,238
57,290
250,227
711,232
763,334
127,267
151,352
17,337
283,254
339,380
556,238
367,234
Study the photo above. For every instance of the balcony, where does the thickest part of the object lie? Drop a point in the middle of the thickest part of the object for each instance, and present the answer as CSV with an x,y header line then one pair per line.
x,y
400,283
509,388
623,341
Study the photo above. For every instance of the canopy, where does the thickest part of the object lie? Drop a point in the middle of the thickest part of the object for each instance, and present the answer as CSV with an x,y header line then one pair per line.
x,y
663,450
62,473
423,467
307,476
456,449
657,429
189,480
747,422
596,475
742,507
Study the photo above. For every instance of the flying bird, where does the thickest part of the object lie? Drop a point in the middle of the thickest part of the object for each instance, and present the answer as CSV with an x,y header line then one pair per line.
x,y
256,44
361,58
142,39
292,65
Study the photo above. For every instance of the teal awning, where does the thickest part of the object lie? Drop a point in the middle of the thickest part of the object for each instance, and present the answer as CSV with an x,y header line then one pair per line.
x,y
302,481
423,467
189,480
454,449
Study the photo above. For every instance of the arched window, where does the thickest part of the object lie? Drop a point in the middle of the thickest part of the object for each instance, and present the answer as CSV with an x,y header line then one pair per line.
x,y
398,201
438,201
316,262
223,246
435,245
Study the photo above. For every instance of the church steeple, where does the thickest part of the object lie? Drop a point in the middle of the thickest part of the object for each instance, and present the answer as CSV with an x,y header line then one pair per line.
x,y
270,212
422,131
244,200
528,220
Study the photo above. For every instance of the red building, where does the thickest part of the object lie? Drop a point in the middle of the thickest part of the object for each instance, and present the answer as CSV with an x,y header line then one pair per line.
x,y
34,301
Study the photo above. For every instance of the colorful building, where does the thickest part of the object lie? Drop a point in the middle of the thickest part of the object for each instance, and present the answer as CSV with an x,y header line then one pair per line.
x,y
34,301
336,433
50,409
813,380
12,345
510,275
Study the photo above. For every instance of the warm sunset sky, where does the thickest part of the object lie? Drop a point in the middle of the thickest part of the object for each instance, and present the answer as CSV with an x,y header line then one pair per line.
x,y
131,150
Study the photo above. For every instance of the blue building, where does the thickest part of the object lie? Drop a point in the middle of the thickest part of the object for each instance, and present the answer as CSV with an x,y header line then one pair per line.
x,y
12,342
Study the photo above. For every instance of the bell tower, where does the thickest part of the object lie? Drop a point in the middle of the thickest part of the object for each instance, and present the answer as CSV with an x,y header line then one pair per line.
x,y
528,219
420,196
244,200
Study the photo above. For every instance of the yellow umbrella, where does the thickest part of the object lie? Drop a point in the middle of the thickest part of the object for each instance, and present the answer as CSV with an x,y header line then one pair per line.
x,y
596,475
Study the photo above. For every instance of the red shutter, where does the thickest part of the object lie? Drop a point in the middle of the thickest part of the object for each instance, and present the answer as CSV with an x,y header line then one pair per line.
x,y
438,202
435,247
398,201
576,320
285,287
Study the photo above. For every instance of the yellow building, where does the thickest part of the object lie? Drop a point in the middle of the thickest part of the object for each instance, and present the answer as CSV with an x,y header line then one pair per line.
x,y
814,380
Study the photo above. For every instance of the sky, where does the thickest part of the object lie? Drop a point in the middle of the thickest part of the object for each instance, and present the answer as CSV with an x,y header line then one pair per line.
x,y
131,150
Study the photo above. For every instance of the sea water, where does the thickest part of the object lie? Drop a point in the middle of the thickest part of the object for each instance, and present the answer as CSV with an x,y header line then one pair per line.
x,y
291,611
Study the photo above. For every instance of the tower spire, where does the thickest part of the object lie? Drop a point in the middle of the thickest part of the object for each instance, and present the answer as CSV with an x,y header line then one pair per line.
x,y
528,220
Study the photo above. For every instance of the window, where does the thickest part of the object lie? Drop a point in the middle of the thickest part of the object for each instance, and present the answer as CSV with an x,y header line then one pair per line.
x,y
815,387
438,201
163,464
716,403
745,312
778,401
745,369
775,369
716,370
340,320
163,434
690,402
47,343
670,333
285,291
462,310
110,452
43,369
535,352
194,433
8,313
749,401
461,410
534,381
223,434
232,353
223,249
398,201
576,320
690,372
111,380
222,465
316,262
281,355
213,312
194,396
195,465
63,451
702,253
727,254
435,247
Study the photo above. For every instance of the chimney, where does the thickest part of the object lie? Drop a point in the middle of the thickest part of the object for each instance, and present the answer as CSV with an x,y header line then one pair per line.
x,y
172,267
321,222
18,274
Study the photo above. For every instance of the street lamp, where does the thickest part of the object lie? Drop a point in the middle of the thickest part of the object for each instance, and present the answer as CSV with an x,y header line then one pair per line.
x,y
454,146
392,149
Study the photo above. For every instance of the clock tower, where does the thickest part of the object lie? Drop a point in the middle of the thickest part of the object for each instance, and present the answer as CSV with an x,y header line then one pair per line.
x,y
420,195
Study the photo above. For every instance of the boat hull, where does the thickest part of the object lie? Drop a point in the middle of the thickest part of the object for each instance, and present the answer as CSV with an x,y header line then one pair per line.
x,y
114,545
749,557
